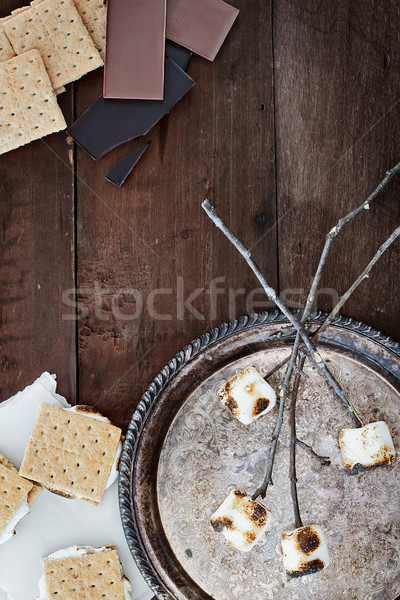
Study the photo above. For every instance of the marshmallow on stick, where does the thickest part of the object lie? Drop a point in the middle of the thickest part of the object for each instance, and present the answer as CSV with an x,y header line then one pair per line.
x,y
241,520
304,551
366,447
247,395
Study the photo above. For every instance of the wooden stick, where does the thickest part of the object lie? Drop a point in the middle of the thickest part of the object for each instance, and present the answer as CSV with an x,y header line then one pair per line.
x,y
306,313
364,275
344,298
293,439
312,351
324,460
334,232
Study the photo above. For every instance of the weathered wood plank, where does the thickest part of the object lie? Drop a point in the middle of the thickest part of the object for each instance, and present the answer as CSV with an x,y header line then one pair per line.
x,y
37,260
152,234
337,120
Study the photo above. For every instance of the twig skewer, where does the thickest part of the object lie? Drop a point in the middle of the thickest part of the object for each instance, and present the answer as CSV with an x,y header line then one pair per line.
x,y
334,232
306,313
276,368
313,353
364,275
324,460
344,298
293,440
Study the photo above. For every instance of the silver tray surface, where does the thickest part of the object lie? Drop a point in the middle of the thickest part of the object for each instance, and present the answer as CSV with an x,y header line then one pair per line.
x,y
180,463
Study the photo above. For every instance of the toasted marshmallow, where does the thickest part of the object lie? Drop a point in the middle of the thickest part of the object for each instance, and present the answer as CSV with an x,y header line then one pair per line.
x,y
241,520
304,551
366,447
247,395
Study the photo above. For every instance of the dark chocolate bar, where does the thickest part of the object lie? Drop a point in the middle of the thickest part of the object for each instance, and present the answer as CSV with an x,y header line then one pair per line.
x,y
135,44
109,123
180,55
200,25
124,167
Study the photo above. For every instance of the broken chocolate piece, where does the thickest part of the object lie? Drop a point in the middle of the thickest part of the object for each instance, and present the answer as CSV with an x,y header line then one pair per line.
x,y
180,55
109,123
124,167
200,25
135,44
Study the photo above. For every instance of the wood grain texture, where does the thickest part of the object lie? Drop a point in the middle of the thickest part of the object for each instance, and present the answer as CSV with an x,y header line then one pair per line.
x,y
37,260
146,248
293,125
337,121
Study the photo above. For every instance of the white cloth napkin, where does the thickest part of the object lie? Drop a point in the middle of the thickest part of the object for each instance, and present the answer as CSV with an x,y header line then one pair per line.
x,y
54,522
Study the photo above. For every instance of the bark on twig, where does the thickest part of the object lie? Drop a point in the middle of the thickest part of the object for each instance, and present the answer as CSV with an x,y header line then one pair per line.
x,y
293,439
344,298
323,460
364,275
306,313
301,335
276,368
271,293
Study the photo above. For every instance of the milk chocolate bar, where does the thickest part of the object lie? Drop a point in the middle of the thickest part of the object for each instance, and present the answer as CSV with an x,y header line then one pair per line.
x,y
135,44
200,25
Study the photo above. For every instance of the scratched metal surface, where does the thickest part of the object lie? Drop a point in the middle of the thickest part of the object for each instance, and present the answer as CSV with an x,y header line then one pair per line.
x,y
207,453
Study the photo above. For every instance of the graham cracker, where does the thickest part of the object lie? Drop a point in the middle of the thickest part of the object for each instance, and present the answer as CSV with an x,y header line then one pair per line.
x,y
36,488
95,576
70,453
93,13
17,11
55,28
13,491
28,106
6,50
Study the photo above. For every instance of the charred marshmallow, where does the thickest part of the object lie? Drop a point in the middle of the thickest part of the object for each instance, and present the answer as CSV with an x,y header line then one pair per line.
x,y
304,551
247,395
366,447
241,520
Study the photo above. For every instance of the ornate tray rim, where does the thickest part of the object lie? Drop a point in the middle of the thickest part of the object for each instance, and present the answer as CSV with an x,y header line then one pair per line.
x,y
167,373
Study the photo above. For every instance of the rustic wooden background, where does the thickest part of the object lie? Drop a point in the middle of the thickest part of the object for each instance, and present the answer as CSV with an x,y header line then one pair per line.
x,y
292,126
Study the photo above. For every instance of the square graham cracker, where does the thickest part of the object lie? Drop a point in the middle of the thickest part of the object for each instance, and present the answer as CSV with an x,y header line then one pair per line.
x,y
36,488
93,14
6,50
70,453
95,575
13,491
28,105
55,28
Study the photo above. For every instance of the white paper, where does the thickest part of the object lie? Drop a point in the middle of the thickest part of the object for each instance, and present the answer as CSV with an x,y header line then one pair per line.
x,y
54,522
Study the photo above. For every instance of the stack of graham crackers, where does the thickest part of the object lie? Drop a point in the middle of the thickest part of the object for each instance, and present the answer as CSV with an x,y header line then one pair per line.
x,y
73,452
43,47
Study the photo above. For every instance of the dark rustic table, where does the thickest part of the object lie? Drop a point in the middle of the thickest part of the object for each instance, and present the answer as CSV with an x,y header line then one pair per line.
x,y
292,126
